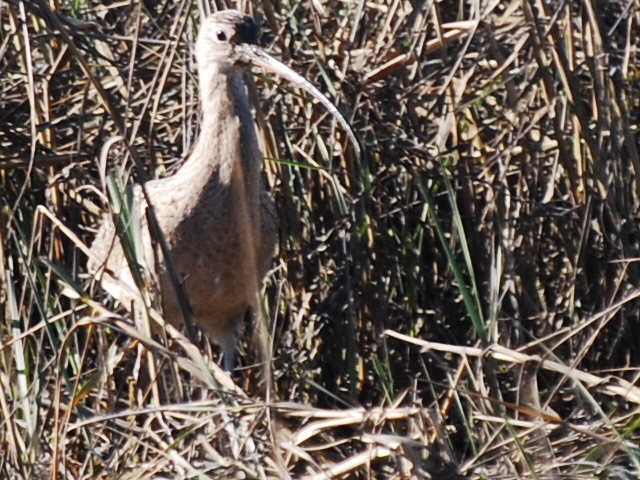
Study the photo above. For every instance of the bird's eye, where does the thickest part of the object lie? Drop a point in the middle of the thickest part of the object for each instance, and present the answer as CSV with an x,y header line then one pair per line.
x,y
221,36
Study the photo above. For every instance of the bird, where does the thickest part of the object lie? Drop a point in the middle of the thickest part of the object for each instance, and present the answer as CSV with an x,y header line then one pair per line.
x,y
217,219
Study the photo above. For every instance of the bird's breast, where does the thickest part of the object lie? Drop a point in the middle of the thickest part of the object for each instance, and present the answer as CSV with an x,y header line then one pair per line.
x,y
214,247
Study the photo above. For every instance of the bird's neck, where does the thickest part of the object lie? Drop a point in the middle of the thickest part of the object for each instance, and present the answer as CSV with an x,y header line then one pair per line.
x,y
227,140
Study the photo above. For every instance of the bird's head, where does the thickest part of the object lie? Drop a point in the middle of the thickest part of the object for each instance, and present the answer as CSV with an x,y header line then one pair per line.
x,y
228,40
222,36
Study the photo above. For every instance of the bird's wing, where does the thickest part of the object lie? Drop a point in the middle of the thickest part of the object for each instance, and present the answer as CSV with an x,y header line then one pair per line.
x,y
108,254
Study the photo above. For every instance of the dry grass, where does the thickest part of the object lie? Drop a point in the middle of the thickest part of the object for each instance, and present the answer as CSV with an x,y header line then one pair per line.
x,y
461,301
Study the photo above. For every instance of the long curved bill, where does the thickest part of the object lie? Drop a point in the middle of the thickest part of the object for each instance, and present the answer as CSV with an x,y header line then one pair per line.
x,y
253,55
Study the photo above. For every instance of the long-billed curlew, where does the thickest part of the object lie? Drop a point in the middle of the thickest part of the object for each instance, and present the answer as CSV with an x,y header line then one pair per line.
x,y
214,213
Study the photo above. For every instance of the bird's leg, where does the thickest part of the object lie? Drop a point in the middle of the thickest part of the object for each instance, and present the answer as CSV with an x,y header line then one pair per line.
x,y
228,348
229,359
229,342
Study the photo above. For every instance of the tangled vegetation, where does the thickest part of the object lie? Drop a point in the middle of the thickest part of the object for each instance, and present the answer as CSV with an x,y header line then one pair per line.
x,y
459,302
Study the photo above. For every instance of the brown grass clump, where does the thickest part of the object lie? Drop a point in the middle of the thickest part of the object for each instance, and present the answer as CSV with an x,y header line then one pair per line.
x,y
462,302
